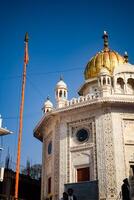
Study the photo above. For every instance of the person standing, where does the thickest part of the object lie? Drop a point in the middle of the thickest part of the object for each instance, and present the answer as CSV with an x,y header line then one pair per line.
x,y
71,196
125,188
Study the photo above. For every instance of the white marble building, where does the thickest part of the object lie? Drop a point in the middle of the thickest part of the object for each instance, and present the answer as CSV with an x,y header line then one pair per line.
x,y
90,137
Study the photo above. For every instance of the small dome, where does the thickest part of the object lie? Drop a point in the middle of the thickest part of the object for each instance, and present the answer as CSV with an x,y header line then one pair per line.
x,y
48,103
104,71
61,84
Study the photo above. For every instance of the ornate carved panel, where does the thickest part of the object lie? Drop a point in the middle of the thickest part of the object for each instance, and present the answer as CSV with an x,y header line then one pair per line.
x,y
100,156
128,131
63,156
56,161
74,147
111,191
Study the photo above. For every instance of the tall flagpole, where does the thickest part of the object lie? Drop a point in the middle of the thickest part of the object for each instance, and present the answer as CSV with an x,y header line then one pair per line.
x,y
21,116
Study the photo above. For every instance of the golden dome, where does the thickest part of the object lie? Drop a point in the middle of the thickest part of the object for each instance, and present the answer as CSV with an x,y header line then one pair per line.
x,y
107,59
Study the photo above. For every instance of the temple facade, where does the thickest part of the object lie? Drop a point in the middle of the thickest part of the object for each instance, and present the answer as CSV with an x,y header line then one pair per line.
x,y
90,137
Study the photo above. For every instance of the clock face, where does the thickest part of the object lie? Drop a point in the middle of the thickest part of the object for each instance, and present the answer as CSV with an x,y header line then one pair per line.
x,y
50,148
82,135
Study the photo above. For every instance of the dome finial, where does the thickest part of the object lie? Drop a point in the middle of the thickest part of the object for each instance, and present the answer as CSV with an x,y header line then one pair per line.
x,y
105,37
26,37
48,98
126,57
48,106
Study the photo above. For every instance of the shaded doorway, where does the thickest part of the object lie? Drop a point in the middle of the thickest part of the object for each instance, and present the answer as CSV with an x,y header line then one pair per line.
x,y
131,171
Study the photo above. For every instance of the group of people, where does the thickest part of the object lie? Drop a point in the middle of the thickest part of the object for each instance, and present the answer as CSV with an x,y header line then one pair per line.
x,y
69,195
125,191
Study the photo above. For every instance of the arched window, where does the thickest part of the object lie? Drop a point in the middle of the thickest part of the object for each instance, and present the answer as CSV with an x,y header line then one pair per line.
x,y
120,85
64,93
130,86
100,81
104,81
60,93
108,80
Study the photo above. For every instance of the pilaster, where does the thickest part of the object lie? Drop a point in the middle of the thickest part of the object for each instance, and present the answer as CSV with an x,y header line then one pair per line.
x,y
105,156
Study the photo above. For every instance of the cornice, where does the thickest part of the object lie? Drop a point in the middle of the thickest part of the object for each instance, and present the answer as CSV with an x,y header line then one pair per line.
x,y
113,99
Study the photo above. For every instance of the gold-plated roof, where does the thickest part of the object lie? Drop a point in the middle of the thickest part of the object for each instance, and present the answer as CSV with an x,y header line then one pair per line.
x,y
107,58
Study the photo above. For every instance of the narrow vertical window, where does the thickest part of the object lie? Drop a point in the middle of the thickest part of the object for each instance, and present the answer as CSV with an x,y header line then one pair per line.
x,y
60,93
64,94
49,185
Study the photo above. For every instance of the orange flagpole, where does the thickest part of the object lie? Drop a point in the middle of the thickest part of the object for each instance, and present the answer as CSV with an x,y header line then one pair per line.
x,y
21,116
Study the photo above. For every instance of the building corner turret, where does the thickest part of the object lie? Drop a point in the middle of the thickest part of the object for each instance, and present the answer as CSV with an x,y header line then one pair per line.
x,y
61,93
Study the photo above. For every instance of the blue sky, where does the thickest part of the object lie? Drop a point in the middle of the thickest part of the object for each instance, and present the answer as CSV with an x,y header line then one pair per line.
x,y
63,36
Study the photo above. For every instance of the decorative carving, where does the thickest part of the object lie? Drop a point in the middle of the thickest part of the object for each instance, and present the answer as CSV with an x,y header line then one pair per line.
x,y
94,149
81,147
68,154
56,161
100,158
132,157
63,156
128,128
77,148
111,190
